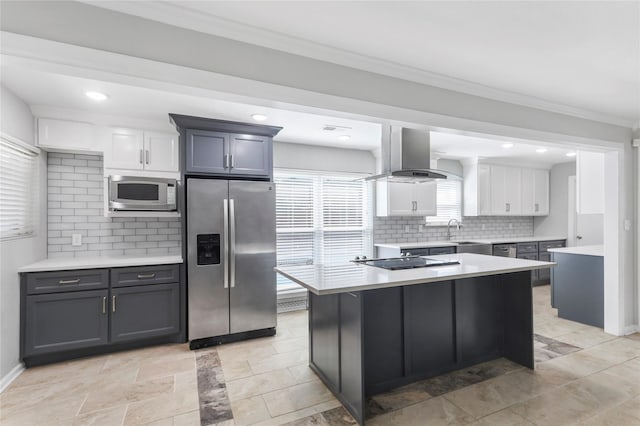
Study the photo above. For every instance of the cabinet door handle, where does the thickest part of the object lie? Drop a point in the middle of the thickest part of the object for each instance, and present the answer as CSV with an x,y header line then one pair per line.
x,y
146,154
233,164
507,207
141,156
143,276
104,305
113,303
76,281
226,161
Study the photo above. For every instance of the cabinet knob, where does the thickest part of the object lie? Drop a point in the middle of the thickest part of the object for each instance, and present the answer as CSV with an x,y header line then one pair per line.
x,y
104,305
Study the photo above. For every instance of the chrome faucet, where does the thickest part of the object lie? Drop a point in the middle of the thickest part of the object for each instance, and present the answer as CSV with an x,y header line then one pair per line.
x,y
458,225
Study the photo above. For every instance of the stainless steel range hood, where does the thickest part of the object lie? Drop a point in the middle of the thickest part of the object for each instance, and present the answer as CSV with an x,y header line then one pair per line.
x,y
406,156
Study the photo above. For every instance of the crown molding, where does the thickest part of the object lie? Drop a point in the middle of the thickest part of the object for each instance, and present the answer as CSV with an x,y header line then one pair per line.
x,y
185,17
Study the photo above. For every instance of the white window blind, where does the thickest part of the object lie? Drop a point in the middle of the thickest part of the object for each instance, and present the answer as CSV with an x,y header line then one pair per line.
x,y
319,219
18,189
449,202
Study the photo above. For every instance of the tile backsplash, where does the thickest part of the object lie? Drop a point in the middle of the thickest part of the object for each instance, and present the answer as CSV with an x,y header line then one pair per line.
x,y
75,206
394,229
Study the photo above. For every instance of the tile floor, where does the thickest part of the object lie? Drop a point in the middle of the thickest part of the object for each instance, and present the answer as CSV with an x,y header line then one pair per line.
x,y
583,376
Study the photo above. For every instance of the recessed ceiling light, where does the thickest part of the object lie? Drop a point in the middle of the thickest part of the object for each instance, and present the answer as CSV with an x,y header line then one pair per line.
x,y
541,150
96,96
570,154
259,117
344,137
507,145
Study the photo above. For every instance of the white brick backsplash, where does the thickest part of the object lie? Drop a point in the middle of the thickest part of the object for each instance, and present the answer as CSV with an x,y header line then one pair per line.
x,y
75,206
392,229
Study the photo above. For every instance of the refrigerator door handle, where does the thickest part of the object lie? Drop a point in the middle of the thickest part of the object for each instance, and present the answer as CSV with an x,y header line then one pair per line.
x,y
232,242
225,239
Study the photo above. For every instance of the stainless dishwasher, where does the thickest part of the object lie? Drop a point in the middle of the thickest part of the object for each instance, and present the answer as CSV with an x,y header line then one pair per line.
x,y
505,250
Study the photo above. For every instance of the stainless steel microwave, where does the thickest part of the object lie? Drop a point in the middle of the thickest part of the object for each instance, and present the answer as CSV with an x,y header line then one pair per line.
x,y
141,193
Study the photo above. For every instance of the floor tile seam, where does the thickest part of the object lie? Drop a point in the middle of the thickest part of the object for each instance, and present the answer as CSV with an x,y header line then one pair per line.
x,y
269,371
458,407
84,401
258,374
265,392
407,406
504,409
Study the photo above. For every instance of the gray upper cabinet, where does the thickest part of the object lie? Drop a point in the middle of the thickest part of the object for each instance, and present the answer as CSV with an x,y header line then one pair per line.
x,y
226,148
250,155
144,311
65,321
207,152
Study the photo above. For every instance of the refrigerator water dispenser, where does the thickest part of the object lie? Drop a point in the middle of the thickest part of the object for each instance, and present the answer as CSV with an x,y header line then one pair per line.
x,y
208,249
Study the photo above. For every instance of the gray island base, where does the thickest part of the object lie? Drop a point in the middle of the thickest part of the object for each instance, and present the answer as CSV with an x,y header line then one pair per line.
x,y
373,340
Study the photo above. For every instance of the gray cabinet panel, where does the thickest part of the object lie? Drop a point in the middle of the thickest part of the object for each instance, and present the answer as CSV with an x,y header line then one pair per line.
x,y
64,321
429,327
144,311
250,155
442,250
416,251
546,245
142,275
530,256
544,275
351,353
531,247
63,281
207,151
325,336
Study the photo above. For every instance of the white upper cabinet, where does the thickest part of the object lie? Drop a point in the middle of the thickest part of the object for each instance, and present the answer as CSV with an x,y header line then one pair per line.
x,y
477,190
497,190
590,182
127,149
160,152
406,198
535,192
66,136
506,196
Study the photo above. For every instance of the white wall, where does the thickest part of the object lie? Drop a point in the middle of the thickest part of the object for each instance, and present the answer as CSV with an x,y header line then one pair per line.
x,y
16,120
556,222
311,157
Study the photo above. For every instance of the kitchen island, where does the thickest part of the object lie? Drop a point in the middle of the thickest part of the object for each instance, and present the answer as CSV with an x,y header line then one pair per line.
x,y
372,329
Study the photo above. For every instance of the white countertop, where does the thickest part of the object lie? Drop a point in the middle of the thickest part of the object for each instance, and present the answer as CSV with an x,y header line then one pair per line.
x,y
426,244
70,263
348,276
582,250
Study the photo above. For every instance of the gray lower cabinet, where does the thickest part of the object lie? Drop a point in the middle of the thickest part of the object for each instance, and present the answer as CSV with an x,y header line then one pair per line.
x,y
63,315
65,321
144,311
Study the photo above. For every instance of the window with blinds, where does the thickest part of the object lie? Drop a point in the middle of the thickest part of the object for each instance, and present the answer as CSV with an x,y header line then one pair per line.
x,y
449,202
319,219
18,189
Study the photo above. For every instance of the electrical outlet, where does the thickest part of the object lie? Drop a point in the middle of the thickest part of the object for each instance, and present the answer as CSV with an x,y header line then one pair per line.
x,y
407,228
627,225
511,226
76,239
420,228
483,227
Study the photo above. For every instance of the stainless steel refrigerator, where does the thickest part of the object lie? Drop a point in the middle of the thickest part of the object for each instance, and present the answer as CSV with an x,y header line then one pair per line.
x,y
231,254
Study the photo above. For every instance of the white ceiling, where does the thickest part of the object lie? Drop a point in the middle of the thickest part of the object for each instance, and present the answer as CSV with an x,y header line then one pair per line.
x,y
63,91
62,96
580,54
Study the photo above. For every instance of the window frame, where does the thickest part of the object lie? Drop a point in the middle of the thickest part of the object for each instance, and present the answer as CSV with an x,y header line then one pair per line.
x,y
35,202
442,221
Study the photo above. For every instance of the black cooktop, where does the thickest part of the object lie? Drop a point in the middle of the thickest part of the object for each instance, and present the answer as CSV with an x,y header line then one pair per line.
x,y
408,262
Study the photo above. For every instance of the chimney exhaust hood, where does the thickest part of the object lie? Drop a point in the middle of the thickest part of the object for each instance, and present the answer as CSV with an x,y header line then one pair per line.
x,y
406,156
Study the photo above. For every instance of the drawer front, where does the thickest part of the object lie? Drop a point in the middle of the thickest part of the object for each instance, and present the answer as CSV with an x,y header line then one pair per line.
x,y
528,256
144,275
546,245
442,250
416,251
527,247
56,282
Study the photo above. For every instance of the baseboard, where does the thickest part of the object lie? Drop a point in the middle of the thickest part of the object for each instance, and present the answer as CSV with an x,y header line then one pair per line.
x,y
630,329
11,376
